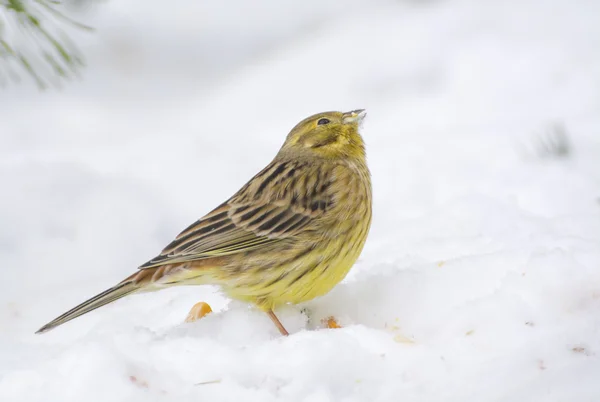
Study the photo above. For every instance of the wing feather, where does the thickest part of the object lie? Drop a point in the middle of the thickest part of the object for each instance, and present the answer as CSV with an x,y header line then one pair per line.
x,y
274,206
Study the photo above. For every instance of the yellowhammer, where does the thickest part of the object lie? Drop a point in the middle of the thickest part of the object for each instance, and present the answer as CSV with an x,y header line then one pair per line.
x,y
289,235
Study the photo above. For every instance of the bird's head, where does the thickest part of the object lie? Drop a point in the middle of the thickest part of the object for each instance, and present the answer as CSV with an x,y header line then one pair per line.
x,y
329,135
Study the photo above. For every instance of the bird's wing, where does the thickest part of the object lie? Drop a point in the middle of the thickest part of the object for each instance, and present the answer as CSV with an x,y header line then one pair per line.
x,y
265,211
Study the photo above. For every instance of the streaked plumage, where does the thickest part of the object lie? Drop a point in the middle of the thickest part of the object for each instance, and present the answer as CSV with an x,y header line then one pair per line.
x,y
289,235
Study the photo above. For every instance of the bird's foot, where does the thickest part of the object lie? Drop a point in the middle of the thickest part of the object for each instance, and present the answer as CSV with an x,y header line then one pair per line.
x,y
198,311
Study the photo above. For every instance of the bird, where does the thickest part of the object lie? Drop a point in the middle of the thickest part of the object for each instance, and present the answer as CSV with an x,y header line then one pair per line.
x,y
290,234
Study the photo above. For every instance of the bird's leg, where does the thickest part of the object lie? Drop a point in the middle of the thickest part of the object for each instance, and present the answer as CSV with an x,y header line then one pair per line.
x,y
277,323
198,311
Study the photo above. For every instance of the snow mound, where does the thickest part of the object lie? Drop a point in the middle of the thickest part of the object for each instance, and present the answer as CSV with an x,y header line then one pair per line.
x,y
479,280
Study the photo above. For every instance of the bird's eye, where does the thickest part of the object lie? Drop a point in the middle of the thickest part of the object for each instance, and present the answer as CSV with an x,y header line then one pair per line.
x,y
323,121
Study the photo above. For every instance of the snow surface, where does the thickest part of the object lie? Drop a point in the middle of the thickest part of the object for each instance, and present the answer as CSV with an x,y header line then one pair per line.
x,y
480,280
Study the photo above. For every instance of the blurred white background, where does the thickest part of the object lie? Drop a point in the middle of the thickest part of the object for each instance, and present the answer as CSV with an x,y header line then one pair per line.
x,y
480,278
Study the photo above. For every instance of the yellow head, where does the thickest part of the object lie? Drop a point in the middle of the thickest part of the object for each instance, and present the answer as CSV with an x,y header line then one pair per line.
x,y
329,135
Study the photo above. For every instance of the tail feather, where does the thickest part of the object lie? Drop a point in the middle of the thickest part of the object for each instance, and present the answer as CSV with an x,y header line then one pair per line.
x,y
108,296
148,279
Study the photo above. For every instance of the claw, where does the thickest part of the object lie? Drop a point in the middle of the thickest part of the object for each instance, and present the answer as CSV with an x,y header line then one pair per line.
x,y
198,311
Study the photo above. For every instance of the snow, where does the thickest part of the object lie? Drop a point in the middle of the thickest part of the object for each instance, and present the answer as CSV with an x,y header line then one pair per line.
x,y
479,280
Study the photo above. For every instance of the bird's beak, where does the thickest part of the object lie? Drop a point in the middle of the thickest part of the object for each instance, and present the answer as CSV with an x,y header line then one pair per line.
x,y
354,116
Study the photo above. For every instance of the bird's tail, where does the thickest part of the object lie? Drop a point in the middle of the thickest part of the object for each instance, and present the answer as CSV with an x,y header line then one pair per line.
x,y
134,283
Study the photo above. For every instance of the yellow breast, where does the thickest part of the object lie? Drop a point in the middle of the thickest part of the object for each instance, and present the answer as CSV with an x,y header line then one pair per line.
x,y
311,268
